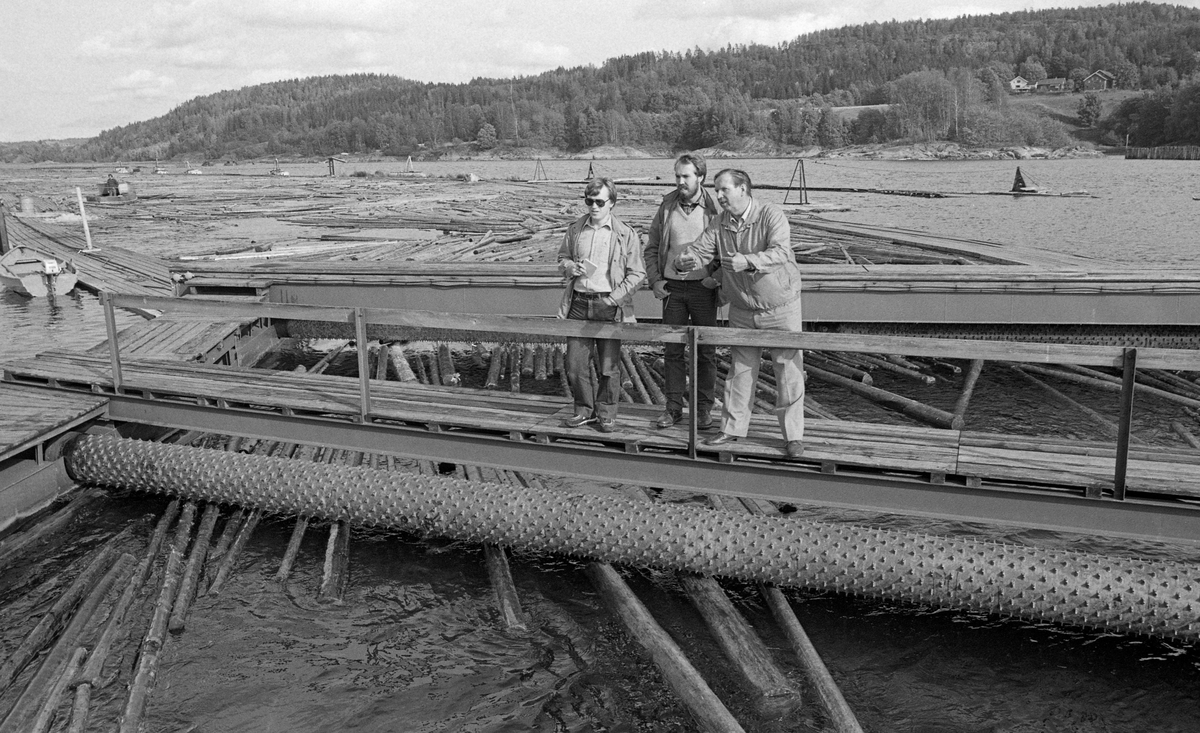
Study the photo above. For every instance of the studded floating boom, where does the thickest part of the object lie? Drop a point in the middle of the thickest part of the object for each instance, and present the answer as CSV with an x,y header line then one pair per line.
x,y
1121,594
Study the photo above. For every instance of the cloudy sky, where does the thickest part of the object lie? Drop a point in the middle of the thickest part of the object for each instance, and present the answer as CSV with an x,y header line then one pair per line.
x,y
71,69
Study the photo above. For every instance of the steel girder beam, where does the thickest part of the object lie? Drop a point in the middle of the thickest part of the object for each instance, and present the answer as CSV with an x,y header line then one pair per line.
x,y
820,306
1045,508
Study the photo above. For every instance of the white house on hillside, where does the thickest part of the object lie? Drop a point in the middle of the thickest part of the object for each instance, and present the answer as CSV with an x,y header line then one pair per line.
x,y
1018,84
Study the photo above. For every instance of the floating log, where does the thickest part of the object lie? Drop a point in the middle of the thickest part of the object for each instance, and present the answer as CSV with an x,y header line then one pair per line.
x,y
968,388
1186,434
493,374
399,360
449,375
336,569
897,369
1110,426
146,671
539,363
433,371
226,565
64,675
45,683
381,362
13,546
774,695
56,617
1106,384
232,524
191,572
506,591
289,556
918,410
527,361
832,702
689,686
514,368
656,394
838,367
630,372
91,675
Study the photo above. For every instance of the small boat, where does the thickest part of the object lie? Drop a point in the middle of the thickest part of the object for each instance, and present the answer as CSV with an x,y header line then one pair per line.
x,y
277,171
192,171
121,169
29,272
120,193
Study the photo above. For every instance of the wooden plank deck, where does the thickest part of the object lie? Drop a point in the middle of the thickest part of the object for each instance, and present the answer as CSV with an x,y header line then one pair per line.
x,y
29,415
174,336
829,444
109,269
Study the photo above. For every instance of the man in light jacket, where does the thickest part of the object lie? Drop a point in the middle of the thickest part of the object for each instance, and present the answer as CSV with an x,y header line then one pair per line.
x,y
688,298
761,281
601,261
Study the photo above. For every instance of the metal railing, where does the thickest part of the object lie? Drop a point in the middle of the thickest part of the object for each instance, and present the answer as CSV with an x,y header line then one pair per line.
x,y
1128,360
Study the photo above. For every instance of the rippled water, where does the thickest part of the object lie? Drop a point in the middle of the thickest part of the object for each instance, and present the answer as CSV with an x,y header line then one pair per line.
x,y
418,645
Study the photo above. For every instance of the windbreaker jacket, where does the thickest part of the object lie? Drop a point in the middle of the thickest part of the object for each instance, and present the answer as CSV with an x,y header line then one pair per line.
x,y
658,241
765,239
626,270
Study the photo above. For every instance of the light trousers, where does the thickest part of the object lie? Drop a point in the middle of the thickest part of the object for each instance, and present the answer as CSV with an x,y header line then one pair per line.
x,y
743,373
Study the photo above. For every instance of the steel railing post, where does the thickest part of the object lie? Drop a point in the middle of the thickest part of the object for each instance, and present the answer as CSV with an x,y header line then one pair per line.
x,y
1129,371
114,349
360,335
693,413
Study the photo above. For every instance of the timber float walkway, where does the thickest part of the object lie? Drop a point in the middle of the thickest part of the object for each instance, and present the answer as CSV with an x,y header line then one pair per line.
x,y
830,446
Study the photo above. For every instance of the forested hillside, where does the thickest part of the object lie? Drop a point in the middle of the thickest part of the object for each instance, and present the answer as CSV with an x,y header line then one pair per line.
x,y
942,79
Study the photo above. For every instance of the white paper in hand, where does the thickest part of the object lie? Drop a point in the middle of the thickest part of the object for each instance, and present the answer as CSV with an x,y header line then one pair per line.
x,y
589,268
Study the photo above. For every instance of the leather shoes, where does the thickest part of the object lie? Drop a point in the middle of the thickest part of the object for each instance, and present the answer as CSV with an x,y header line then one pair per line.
x,y
606,426
795,449
721,439
704,421
578,421
667,419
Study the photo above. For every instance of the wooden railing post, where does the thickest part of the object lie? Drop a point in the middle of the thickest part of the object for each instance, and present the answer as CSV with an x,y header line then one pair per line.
x,y
364,376
693,348
114,349
1129,362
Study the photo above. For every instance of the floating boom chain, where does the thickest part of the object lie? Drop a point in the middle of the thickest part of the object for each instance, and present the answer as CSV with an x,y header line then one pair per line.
x,y
1120,594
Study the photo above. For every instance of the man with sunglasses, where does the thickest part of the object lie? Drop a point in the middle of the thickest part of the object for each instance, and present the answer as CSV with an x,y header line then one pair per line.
x,y
601,261
761,281
689,298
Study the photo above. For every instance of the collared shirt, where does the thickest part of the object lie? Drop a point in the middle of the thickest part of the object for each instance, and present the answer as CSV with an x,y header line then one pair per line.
x,y
595,246
691,204
739,219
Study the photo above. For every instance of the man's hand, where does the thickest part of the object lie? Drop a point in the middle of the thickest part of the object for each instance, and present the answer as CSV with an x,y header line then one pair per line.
x,y
660,289
686,262
738,262
711,283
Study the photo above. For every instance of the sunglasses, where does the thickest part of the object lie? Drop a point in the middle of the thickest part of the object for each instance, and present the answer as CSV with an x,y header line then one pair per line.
x,y
595,202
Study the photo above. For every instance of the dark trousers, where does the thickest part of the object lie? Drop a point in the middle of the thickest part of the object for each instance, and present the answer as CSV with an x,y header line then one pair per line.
x,y
688,303
599,396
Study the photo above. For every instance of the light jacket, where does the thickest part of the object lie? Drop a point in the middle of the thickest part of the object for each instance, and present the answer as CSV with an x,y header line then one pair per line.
x,y
764,237
658,241
626,270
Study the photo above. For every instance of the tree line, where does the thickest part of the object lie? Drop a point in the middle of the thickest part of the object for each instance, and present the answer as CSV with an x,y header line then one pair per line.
x,y
931,80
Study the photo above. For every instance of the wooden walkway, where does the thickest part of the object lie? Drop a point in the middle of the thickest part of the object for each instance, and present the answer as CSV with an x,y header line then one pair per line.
x,y
108,269
932,454
178,337
29,415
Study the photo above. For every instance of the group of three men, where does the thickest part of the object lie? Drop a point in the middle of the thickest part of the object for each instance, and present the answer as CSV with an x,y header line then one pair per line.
x,y
696,257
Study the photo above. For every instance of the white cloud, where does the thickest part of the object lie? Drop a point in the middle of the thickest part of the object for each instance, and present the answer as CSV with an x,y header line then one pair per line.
x,y
141,84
